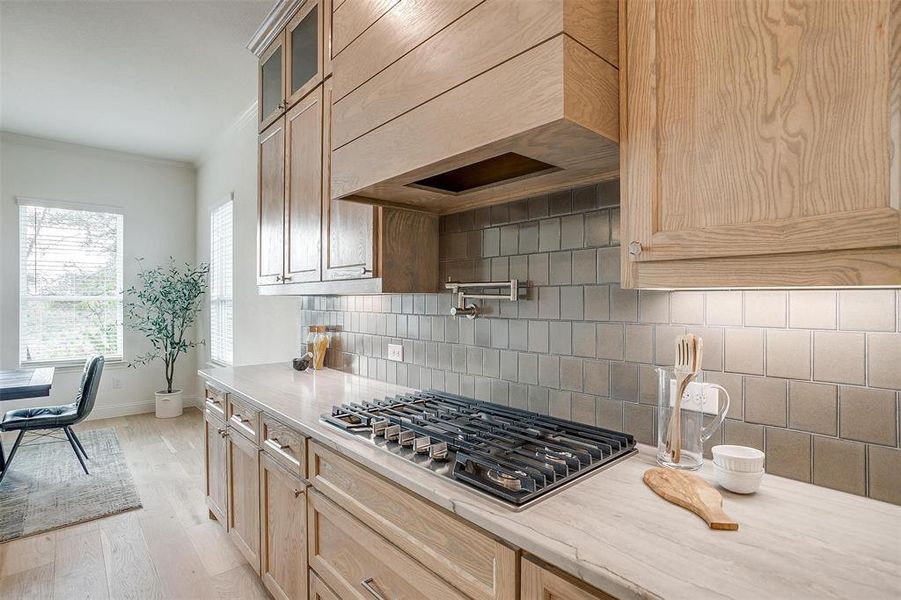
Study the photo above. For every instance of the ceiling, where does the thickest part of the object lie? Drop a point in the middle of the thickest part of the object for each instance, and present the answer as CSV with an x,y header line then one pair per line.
x,y
156,77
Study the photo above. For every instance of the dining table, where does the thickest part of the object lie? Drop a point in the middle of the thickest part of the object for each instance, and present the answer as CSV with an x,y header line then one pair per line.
x,y
16,384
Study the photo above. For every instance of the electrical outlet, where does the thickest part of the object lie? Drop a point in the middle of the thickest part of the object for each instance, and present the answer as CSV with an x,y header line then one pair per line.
x,y
396,352
117,383
698,396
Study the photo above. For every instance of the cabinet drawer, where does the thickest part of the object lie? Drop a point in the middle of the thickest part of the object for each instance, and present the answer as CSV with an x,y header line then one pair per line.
x,y
471,560
318,589
358,563
215,400
285,445
244,418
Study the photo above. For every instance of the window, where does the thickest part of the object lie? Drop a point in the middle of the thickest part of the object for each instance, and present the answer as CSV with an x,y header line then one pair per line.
x,y
70,283
221,329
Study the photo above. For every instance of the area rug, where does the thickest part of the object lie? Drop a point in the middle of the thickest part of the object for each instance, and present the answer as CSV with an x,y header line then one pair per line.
x,y
46,489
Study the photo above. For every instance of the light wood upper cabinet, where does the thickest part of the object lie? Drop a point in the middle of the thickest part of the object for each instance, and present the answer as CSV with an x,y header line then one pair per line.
x,y
761,142
215,467
540,583
244,497
303,206
283,539
304,50
271,86
271,205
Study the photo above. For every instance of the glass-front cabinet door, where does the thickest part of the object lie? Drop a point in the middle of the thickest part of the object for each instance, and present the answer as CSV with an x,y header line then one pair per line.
x,y
272,82
303,51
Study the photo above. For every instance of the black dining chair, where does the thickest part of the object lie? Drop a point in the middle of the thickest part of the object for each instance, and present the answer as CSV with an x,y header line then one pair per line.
x,y
50,418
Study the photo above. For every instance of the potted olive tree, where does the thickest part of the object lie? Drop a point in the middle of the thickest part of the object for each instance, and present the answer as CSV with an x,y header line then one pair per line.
x,y
163,305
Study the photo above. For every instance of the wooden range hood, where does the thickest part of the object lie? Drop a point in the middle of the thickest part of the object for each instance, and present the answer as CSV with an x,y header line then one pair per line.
x,y
509,100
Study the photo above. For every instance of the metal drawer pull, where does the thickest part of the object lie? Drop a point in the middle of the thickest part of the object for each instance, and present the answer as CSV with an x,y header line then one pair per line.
x,y
276,446
370,586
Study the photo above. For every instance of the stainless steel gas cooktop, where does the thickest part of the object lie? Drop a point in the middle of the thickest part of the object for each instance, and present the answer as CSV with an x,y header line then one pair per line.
x,y
513,455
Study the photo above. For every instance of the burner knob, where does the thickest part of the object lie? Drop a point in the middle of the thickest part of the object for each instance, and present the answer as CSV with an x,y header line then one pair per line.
x,y
438,451
378,427
405,438
392,432
421,445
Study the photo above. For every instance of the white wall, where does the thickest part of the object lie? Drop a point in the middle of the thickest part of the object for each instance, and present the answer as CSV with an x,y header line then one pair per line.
x,y
158,200
266,328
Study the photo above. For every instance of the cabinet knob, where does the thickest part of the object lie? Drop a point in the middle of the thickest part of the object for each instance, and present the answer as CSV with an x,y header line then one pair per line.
x,y
286,278
364,270
278,277
297,493
634,248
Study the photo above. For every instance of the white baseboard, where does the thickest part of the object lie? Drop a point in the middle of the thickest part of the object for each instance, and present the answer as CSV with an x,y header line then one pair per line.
x,y
135,408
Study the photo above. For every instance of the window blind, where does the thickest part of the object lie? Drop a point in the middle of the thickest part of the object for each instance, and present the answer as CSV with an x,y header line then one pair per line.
x,y
70,284
221,305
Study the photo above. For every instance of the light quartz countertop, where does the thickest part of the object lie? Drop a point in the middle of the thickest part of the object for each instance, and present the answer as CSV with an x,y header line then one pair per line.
x,y
795,540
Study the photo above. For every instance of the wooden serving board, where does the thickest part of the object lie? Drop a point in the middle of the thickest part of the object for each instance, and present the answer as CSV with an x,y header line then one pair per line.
x,y
690,491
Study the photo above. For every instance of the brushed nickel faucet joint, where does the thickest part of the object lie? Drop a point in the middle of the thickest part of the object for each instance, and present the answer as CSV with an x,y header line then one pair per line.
x,y
463,309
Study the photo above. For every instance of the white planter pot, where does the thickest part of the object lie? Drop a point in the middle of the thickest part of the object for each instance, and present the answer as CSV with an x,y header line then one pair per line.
x,y
168,405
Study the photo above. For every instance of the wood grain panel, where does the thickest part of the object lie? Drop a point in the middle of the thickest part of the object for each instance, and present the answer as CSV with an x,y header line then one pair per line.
x,y
215,465
423,74
318,589
244,418
353,17
244,498
407,24
271,205
409,253
215,400
346,553
866,267
541,583
481,111
769,130
303,207
595,25
285,445
283,520
477,564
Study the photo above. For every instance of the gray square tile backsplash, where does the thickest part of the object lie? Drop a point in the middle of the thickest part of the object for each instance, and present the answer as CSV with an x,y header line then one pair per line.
x,y
814,375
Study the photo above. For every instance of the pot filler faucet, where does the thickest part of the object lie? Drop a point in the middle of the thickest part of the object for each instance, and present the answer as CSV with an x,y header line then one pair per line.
x,y
471,311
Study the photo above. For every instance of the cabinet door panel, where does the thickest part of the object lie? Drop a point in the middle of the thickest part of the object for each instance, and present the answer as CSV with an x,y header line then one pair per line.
x,y
539,583
348,228
244,497
757,127
283,555
304,51
271,205
215,451
271,92
303,208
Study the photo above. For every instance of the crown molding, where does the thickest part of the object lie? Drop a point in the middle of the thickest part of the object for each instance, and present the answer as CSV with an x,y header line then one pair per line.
x,y
269,29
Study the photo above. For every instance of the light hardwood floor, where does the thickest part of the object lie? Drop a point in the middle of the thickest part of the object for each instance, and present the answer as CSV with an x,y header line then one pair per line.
x,y
168,549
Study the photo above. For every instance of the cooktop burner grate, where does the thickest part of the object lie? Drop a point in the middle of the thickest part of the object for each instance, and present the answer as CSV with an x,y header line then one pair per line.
x,y
508,453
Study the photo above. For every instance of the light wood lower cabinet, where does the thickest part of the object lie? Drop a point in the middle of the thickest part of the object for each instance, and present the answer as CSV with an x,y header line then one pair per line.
x,y
541,583
244,496
472,561
216,470
283,539
358,563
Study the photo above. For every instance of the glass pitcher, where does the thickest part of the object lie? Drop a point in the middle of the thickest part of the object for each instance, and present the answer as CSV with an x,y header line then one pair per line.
x,y
700,400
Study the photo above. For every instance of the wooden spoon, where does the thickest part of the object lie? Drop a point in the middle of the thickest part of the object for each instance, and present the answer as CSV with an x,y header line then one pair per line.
x,y
690,491
682,368
697,354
